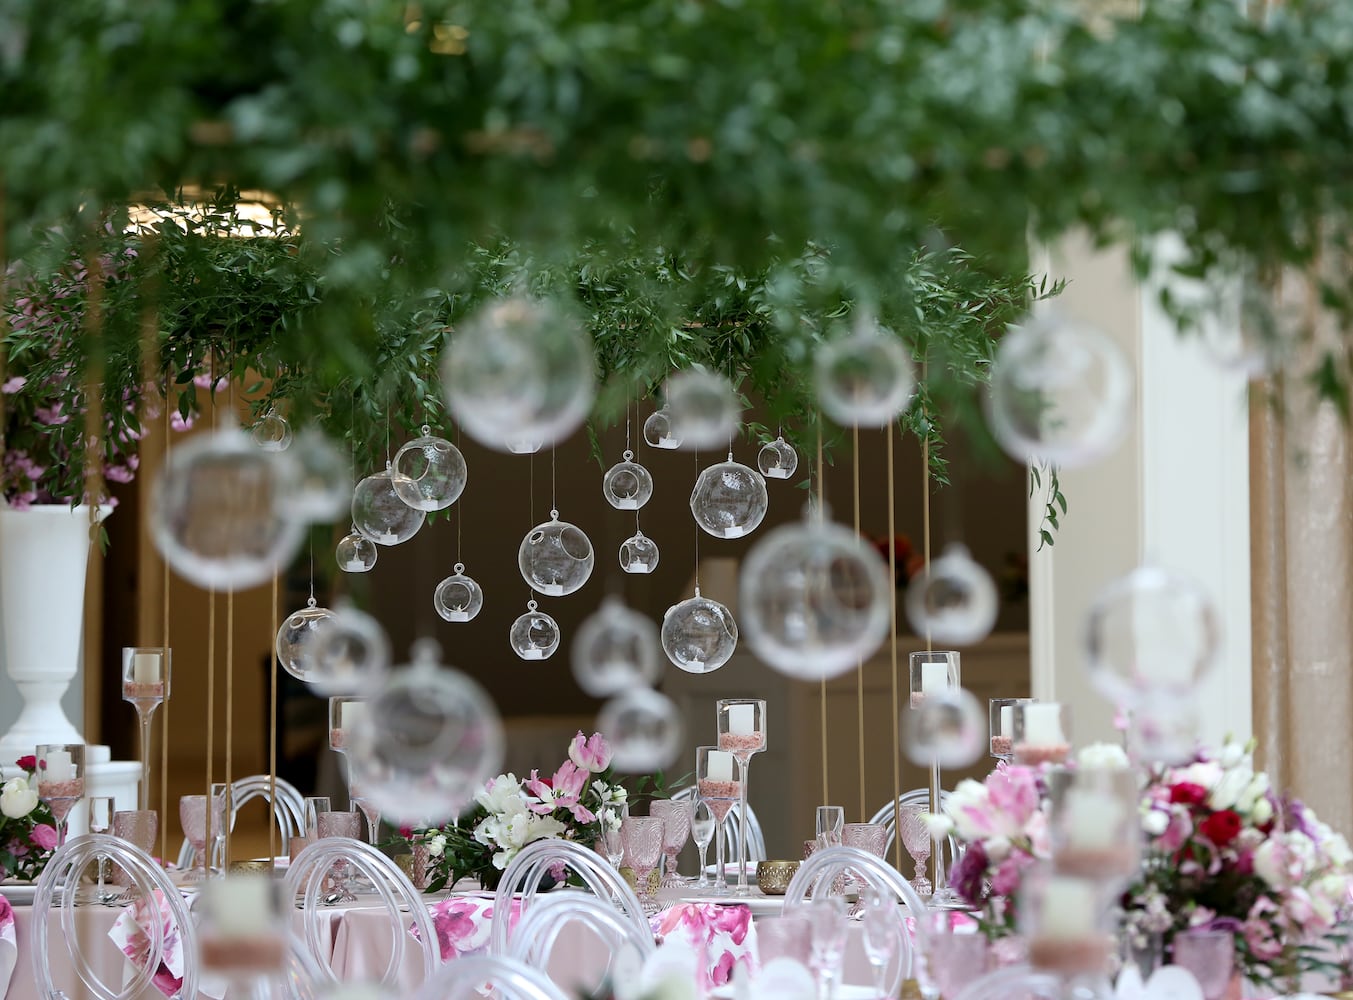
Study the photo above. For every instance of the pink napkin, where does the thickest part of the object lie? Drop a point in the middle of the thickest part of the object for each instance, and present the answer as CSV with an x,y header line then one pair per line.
x,y
131,933
9,949
724,934
463,924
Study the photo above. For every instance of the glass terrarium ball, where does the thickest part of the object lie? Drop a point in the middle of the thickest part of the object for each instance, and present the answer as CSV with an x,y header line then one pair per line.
x,y
628,485
296,637
729,500
638,554
658,431
519,369
524,446
1060,392
379,512
616,649
271,432
323,486
534,635
865,378
217,511
777,459
355,552
699,634
814,600
458,598
948,728
1163,729
429,473
1151,634
429,739
555,557
954,602
348,654
644,730
703,407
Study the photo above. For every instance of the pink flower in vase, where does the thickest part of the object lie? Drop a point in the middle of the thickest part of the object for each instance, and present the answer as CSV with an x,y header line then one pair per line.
x,y
44,835
592,754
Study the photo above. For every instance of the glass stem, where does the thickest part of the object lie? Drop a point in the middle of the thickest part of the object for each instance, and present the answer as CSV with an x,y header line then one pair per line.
x,y
704,852
743,766
719,881
939,884
144,714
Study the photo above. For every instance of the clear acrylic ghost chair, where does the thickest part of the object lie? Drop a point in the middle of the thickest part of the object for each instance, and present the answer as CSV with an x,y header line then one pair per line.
x,y
306,881
57,889
1018,982
528,869
288,810
814,880
538,929
733,831
478,976
887,815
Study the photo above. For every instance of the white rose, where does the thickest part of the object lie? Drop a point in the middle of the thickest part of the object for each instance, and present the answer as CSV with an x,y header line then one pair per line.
x,y
17,800
1156,822
1103,757
437,846
1268,863
1226,793
1231,755
997,848
939,826
1336,849
1262,812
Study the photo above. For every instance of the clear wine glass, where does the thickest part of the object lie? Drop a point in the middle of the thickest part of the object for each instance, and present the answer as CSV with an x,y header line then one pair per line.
x,y
101,821
145,683
339,824
676,819
831,821
830,927
612,840
193,817
702,832
718,789
742,732
369,811
61,781
643,838
881,929
220,824
916,839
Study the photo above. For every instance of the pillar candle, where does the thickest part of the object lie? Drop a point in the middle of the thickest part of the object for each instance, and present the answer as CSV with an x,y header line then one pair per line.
x,y
742,719
242,906
146,668
59,767
1070,909
720,766
934,678
1043,724
1092,819
348,713
1007,720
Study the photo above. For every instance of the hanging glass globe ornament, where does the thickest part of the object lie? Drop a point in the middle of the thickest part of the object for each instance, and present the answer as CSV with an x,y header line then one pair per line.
x,y
429,739
379,512
555,557
658,431
1060,392
954,601
534,635
355,552
777,459
638,553
519,369
458,598
348,654
949,728
703,408
217,511
524,446
1151,635
296,635
429,472
271,432
644,730
1162,729
323,485
627,485
729,499
699,634
814,600
866,378
616,649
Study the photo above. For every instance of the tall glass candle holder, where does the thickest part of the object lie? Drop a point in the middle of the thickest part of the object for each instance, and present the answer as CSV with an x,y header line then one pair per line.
x,y
933,672
145,683
1095,825
717,789
1066,920
61,781
243,931
1002,722
742,732
1042,733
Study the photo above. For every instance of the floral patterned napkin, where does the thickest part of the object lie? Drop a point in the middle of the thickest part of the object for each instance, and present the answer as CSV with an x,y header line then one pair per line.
x,y
723,933
131,933
9,949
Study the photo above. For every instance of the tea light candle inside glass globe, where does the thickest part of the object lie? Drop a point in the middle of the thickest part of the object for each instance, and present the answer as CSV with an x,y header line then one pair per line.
x,y
954,600
534,635
865,378
699,635
947,729
704,408
658,432
555,558
627,485
379,513
348,654
644,730
524,445
429,472
638,554
616,649
777,459
355,552
323,484
729,499
458,598
272,432
295,637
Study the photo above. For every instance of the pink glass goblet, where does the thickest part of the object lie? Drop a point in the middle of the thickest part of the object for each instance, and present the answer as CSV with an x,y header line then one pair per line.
x,y
676,819
1210,956
643,846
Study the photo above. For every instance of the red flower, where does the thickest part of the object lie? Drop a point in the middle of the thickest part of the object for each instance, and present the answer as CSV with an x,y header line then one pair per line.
x,y
406,832
1188,793
1221,827
27,763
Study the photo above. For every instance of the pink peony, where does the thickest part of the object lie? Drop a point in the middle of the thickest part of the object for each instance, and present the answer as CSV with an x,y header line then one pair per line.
x,y
1014,792
592,753
44,835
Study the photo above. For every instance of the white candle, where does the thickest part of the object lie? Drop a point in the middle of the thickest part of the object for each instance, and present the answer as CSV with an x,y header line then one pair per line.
x,y
242,906
1007,720
720,767
1070,909
1043,725
934,678
59,766
742,719
1092,819
348,713
146,668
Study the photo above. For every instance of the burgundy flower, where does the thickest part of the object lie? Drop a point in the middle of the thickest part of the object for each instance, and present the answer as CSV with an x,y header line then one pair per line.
x,y
1221,827
28,762
967,876
1188,793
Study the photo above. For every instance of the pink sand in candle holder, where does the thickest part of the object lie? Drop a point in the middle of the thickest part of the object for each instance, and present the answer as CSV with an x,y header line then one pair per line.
x,y
743,742
143,690
720,795
1032,755
1069,956
1002,746
917,699
338,739
254,954
61,796
1095,862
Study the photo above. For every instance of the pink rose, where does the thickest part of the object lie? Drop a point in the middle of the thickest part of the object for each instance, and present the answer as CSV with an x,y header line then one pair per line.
x,y
592,754
1014,792
44,835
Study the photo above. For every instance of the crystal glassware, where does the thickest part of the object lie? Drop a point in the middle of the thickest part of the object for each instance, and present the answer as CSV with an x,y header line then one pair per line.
x,y
702,832
61,781
676,819
145,683
242,934
916,839
831,820
827,916
789,935
933,672
138,827
643,840
882,935
339,824
953,958
718,789
1210,957
101,821
193,815
219,823
742,732
1001,720
368,810
612,840
1042,733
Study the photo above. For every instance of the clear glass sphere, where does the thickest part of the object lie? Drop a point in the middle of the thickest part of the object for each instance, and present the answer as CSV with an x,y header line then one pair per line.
x,y
699,635
555,557
729,500
703,409
1060,392
644,730
297,635
458,598
519,369
217,511
349,653
814,600
616,649
323,485
355,552
658,431
534,635
628,485
524,446
777,459
1151,635
428,741
429,473
271,432
954,602
949,728
865,378
638,554
379,512
1163,729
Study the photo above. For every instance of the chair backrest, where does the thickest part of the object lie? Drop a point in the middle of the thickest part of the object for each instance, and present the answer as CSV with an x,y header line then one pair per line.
x,y
306,878
887,815
288,809
470,978
57,888
1016,981
525,872
732,829
538,929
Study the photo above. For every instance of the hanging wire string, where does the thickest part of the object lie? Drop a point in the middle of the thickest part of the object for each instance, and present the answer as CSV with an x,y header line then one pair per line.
x,y
697,530
822,683
272,720
859,666
896,706
230,668
460,507
211,641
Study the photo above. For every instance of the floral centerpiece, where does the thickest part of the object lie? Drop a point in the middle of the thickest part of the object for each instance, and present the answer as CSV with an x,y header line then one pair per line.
x,y
27,831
